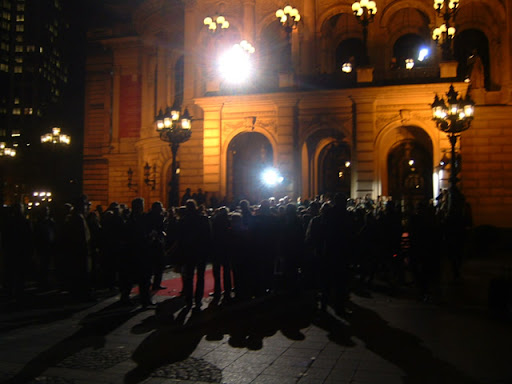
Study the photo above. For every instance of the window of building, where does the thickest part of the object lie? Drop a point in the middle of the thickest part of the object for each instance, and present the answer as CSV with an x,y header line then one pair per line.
x,y
469,45
19,48
20,17
20,27
4,67
18,69
20,7
31,48
15,133
19,39
18,59
16,100
40,49
6,16
16,111
6,25
4,46
411,46
28,111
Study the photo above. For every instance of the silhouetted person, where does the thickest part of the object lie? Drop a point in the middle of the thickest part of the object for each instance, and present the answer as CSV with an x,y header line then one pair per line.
x,y
186,196
17,249
199,197
157,232
221,231
77,250
112,234
291,246
45,243
263,232
194,239
136,265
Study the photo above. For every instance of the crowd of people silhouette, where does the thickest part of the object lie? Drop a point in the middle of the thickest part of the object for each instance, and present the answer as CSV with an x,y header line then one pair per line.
x,y
254,250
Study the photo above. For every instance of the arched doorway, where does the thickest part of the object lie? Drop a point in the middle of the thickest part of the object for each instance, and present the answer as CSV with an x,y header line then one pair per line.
x,y
334,168
410,172
249,153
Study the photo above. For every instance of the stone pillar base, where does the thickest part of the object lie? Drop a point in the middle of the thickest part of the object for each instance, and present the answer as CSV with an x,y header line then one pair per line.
x,y
286,80
448,69
365,75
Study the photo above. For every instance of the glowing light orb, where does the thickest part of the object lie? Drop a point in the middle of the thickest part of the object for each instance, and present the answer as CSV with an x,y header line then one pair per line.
x,y
235,65
271,177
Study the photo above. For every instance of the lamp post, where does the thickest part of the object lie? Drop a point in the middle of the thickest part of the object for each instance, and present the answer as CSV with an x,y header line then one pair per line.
x,y
55,137
444,34
365,12
453,118
289,18
6,151
216,23
174,128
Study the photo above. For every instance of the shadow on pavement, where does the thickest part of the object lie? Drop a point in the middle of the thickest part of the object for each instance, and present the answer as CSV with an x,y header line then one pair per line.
x,y
248,325
94,328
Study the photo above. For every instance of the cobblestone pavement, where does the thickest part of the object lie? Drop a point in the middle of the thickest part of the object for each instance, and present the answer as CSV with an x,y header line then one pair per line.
x,y
278,339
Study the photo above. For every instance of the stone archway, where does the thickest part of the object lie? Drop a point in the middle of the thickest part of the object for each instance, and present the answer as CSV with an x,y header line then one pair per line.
x,y
334,169
249,153
410,172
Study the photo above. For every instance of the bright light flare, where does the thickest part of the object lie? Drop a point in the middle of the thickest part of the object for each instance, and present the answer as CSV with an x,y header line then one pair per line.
x,y
271,177
235,65
423,54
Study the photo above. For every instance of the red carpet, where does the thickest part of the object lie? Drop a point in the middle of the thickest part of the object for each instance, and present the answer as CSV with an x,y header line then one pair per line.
x,y
173,286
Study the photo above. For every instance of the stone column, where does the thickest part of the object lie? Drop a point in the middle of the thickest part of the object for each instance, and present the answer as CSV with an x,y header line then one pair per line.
x,y
190,41
363,179
248,17
213,180
307,52
285,158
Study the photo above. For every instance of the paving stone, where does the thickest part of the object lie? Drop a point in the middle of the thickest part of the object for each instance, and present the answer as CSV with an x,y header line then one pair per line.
x,y
99,359
190,369
51,380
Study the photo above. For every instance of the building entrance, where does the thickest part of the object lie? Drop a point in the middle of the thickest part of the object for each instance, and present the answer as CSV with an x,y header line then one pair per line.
x,y
249,154
410,173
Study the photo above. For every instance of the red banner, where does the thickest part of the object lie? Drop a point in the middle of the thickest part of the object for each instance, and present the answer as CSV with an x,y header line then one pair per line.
x,y
129,106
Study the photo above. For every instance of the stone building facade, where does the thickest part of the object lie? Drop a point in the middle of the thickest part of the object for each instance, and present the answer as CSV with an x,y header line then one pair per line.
x,y
323,129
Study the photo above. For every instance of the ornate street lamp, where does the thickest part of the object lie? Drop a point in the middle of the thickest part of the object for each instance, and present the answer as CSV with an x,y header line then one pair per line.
x,y
289,17
444,34
216,23
174,128
55,137
6,151
453,118
365,12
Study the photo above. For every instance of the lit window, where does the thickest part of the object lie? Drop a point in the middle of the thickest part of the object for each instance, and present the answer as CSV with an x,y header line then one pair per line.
x,y
4,46
16,100
28,111
18,69
19,48
19,59
16,111
6,16
19,38
15,133
20,27
4,67
40,49
20,17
